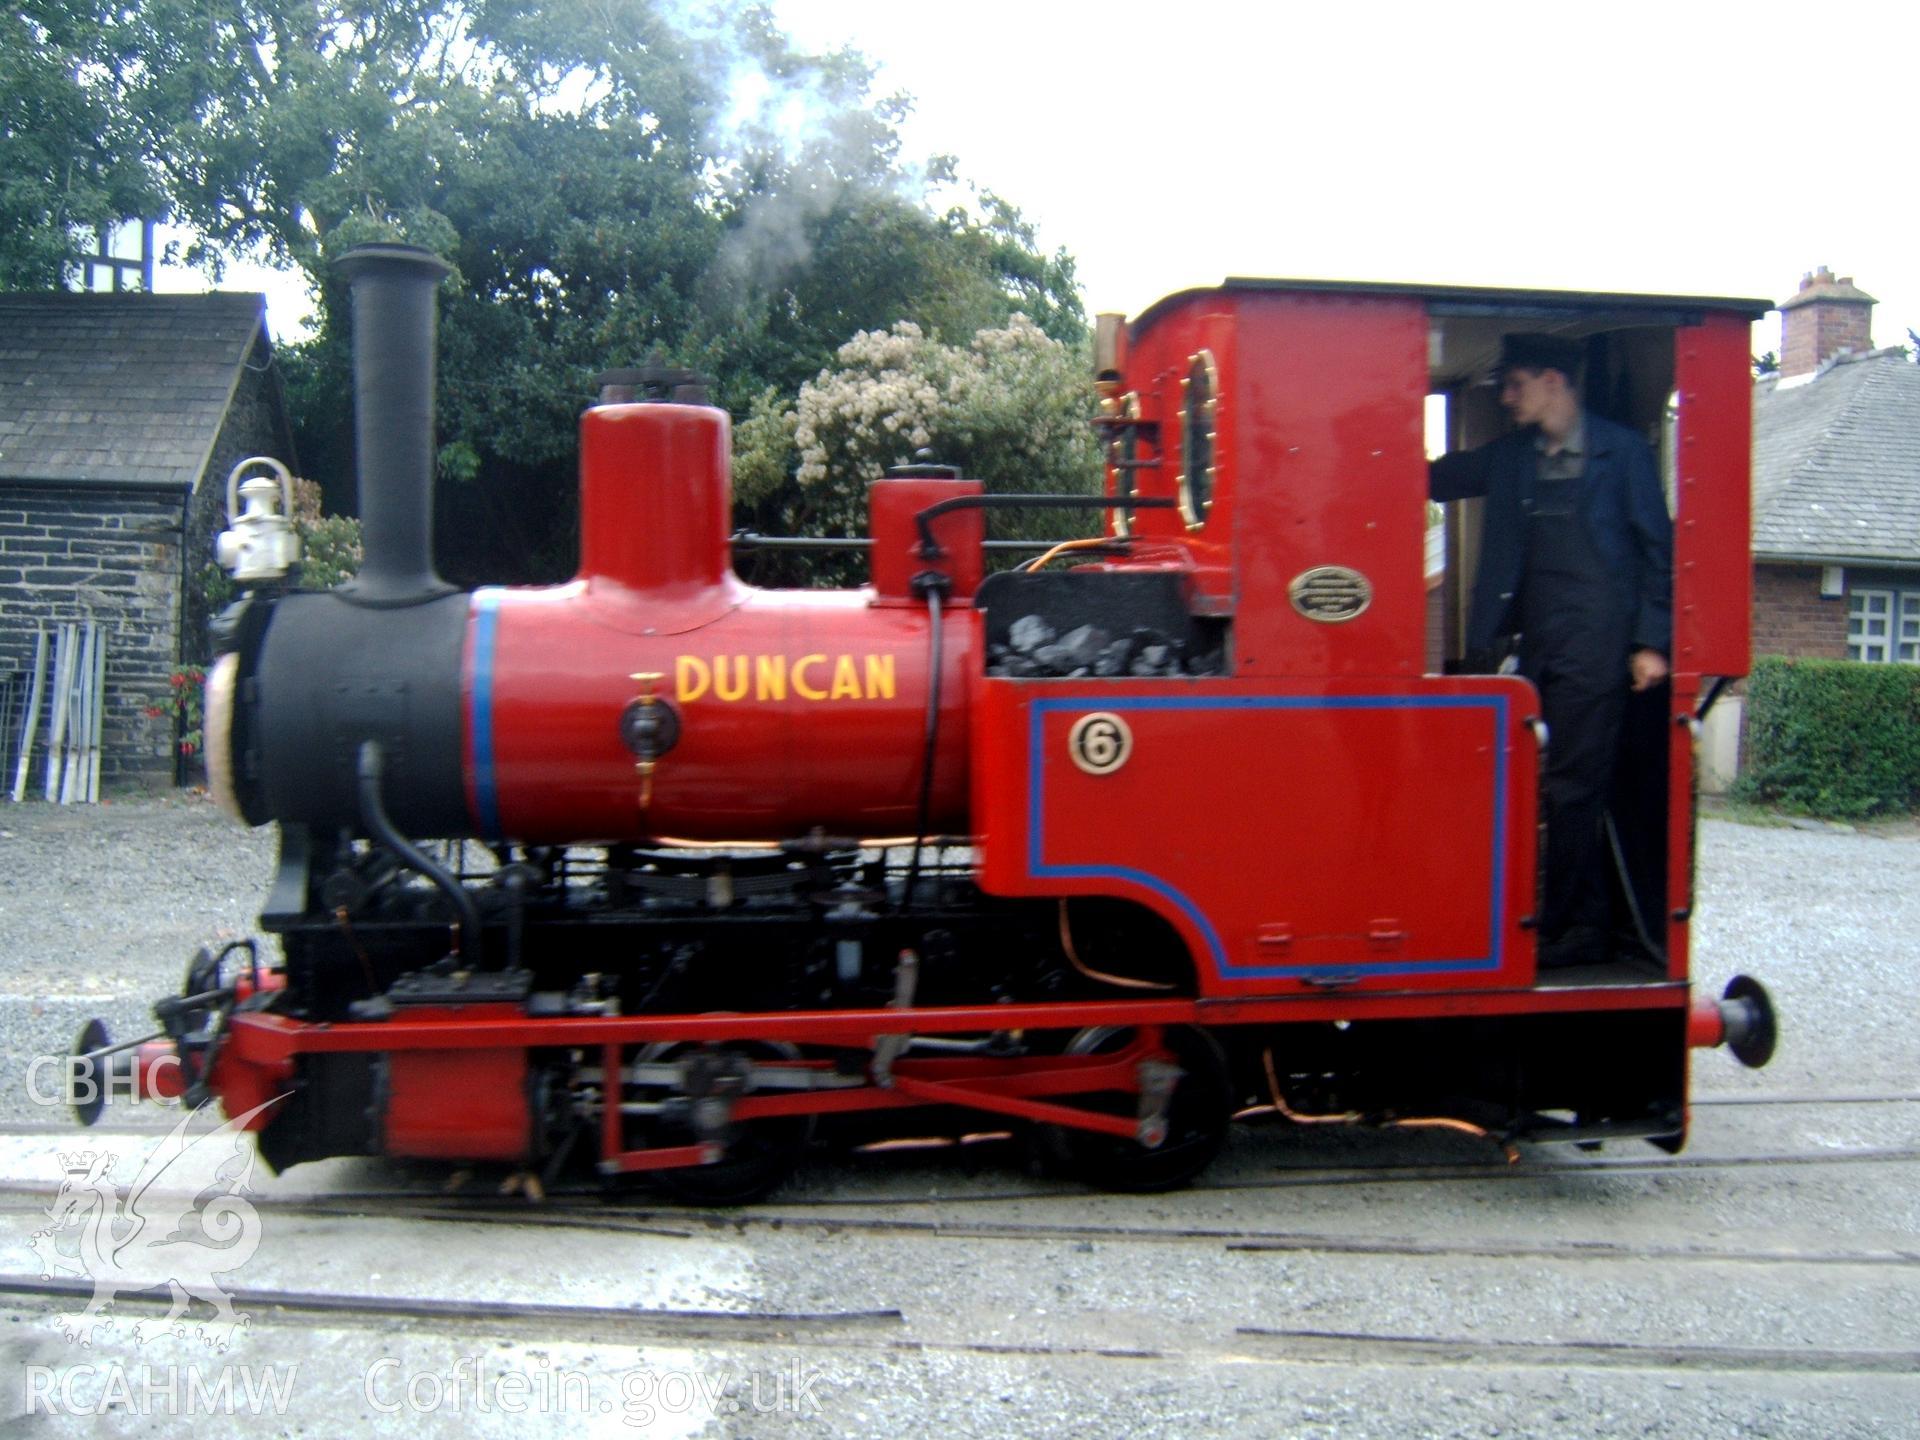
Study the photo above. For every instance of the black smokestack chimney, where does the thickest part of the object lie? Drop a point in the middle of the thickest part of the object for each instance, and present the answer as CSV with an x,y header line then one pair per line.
x,y
393,362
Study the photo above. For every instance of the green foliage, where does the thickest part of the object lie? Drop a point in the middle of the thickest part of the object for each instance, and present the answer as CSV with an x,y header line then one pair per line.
x,y
763,454
1011,409
184,704
69,157
1832,737
330,552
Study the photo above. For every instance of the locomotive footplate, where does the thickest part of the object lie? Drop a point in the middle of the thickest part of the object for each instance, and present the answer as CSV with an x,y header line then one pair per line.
x,y
444,985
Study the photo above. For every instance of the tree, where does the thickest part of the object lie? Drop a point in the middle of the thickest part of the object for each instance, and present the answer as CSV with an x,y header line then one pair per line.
x,y
1011,408
609,178
69,161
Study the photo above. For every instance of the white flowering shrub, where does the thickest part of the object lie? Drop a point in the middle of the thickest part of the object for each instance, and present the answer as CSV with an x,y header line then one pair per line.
x,y
1011,409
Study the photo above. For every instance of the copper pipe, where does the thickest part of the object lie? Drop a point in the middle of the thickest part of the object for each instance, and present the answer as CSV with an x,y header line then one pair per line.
x,y
921,1142
1066,545
1354,1117
1124,982
1348,1117
1137,549
1465,1127
1440,1122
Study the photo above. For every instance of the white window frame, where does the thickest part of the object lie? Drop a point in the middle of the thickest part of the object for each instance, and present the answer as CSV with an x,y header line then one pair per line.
x,y
1899,610
1874,649
1906,628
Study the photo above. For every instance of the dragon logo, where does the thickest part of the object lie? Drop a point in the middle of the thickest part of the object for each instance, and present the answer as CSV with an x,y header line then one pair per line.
x,y
155,1236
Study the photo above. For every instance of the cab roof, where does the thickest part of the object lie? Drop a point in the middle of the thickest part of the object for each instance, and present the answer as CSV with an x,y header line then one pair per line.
x,y
1595,309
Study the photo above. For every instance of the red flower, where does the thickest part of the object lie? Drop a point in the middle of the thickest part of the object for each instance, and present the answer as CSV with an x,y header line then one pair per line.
x,y
186,747
178,680
154,712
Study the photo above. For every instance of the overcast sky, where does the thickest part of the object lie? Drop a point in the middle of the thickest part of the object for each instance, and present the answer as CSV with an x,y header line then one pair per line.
x,y
1683,147
1680,147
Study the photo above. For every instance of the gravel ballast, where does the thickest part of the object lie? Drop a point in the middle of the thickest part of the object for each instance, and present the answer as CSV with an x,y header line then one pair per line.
x,y
1150,1325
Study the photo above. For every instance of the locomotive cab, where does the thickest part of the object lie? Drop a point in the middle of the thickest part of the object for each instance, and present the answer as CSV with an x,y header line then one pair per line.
x,y
1633,349
1314,405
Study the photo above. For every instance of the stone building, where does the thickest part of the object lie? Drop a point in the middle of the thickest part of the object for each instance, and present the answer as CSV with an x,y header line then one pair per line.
x,y
120,417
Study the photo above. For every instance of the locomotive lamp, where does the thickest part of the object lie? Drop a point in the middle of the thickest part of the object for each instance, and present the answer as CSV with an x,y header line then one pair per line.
x,y
261,544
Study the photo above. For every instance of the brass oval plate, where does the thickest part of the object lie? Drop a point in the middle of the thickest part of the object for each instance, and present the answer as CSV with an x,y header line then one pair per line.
x,y
1330,594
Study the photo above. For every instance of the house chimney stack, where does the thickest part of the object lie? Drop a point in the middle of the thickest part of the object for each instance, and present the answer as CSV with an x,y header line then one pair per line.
x,y
1827,317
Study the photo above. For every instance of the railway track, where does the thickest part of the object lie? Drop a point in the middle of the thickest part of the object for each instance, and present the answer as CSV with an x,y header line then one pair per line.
x,y
587,1322
976,1212
1330,1347
1288,1175
886,1330
591,1211
574,1216
588,1208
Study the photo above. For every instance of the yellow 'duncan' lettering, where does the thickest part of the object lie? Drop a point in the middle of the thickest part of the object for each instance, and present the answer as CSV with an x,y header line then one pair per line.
x,y
769,677
800,685
690,678
730,678
846,680
730,689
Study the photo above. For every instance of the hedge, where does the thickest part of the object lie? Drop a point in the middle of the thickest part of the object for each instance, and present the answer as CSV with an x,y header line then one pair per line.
x,y
1832,737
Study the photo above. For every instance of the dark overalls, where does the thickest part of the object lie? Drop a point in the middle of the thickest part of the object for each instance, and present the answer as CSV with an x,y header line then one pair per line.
x,y
1576,553
1573,647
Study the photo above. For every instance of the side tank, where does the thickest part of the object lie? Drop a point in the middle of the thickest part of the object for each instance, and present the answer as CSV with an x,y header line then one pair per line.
x,y
789,710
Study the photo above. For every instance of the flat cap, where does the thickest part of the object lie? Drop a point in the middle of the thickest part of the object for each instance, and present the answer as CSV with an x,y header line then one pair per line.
x,y
1541,352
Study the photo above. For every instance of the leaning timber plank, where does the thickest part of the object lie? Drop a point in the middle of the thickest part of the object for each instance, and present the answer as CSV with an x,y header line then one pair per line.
x,y
30,723
62,681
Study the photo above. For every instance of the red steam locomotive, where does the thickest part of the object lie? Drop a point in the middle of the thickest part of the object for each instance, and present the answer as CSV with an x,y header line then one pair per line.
x,y
1190,817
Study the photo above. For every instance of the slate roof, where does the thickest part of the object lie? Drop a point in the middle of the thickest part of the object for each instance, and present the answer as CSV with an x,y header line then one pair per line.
x,y
1836,463
121,390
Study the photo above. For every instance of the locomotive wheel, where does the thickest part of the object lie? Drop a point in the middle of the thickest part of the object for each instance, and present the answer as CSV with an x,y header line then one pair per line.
x,y
1198,1115
760,1154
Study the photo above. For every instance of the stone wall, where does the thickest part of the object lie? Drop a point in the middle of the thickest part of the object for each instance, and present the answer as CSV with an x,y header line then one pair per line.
x,y
112,556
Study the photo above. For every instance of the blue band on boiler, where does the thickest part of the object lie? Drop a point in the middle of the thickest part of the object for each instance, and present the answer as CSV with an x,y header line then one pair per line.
x,y
486,631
